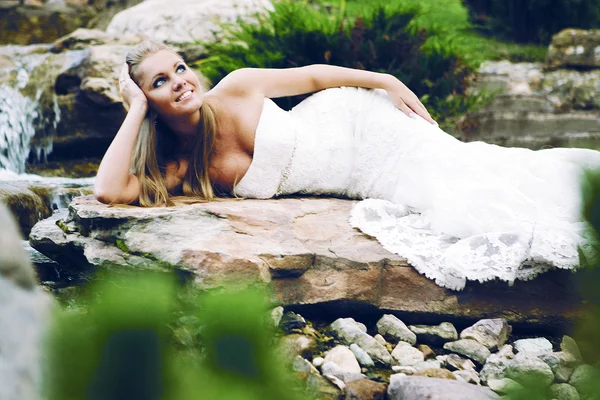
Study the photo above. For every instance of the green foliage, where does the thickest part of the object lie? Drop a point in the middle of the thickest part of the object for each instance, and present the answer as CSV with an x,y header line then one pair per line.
x,y
410,40
145,337
533,21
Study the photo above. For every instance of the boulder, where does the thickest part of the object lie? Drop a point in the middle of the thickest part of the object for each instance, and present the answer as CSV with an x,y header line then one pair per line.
x,y
24,312
303,247
574,48
420,387
469,348
492,333
390,327
435,335
184,21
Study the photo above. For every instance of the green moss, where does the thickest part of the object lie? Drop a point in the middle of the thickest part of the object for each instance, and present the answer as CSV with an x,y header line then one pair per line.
x,y
63,226
122,246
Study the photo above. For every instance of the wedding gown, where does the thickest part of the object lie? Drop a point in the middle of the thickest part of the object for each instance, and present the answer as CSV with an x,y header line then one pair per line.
x,y
456,211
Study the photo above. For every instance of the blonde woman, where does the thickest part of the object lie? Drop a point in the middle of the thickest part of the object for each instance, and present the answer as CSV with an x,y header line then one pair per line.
x,y
455,210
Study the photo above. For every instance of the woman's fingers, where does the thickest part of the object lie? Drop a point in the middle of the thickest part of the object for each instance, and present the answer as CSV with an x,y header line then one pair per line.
x,y
420,109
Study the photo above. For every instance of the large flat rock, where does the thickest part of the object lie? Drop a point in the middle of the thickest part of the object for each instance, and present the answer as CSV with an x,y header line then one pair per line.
x,y
303,247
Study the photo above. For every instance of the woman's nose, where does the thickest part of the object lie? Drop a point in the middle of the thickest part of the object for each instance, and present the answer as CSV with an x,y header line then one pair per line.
x,y
178,82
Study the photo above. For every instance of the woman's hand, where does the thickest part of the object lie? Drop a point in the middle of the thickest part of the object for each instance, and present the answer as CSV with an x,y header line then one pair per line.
x,y
407,101
129,90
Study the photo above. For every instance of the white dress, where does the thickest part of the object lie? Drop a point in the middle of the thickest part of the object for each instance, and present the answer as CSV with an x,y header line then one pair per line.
x,y
456,211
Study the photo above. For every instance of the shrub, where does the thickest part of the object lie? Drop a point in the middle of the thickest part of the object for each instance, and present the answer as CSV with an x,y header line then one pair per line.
x,y
533,21
391,39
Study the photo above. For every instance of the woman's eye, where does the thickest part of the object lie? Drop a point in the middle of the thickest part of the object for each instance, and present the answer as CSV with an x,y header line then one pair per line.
x,y
180,68
159,82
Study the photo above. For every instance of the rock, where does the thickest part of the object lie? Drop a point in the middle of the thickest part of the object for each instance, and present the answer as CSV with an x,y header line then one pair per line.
x,y
533,346
492,333
527,369
504,386
362,356
349,331
586,379
24,314
406,355
469,376
574,48
186,21
436,373
568,345
330,369
563,391
391,328
420,387
292,322
343,358
455,362
435,335
323,387
495,365
561,363
276,315
426,350
318,361
469,348
380,339
303,247
408,370
303,366
297,345
365,389
427,364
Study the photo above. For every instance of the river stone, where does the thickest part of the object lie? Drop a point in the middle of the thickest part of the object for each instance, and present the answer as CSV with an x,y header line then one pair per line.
x,y
406,355
330,369
496,363
435,373
469,348
562,364
344,358
569,345
426,350
362,356
527,369
404,369
586,379
380,339
533,346
276,315
469,376
492,333
574,48
563,391
365,389
349,331
391,328
427,364
303,248
302,365
297,345
323,387
504,385
435,335
318,361
291,322
420,387
455,362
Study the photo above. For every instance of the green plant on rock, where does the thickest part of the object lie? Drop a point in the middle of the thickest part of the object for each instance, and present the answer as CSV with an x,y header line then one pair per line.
x,y
396,39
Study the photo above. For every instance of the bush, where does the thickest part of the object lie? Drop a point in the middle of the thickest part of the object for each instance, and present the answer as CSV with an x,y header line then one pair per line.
x,y
386,39
533,21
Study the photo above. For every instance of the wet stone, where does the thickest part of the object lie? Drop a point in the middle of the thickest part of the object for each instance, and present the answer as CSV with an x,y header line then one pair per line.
x,y
469,348
527,369
393,329
492,333
563,391
292,322
435,335
533,346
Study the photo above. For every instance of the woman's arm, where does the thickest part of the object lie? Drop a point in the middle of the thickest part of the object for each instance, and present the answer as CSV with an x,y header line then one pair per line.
x,y
114,183
293,81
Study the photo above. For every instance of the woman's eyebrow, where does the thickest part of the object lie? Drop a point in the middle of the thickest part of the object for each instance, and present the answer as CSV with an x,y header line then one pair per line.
x,y
160,73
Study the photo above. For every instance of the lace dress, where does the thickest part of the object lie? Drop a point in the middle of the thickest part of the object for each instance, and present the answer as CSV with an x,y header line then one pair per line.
x,y
456,211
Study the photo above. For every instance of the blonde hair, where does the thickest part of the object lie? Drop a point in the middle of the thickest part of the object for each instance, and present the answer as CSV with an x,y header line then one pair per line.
x,y
155,146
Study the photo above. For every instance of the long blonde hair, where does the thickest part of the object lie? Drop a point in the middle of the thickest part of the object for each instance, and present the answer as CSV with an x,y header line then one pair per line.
x,y
155,146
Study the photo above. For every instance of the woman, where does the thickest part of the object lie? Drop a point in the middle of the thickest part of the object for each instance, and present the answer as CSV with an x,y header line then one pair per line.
x,y
455,210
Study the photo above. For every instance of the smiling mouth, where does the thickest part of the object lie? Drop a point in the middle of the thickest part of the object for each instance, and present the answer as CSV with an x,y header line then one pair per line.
x,y
184,95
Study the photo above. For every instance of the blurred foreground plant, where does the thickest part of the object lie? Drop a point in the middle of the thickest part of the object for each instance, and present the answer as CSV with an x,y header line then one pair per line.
x,y
143,337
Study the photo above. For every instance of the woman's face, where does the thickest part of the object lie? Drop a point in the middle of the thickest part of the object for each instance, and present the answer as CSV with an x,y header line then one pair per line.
x,y
172,89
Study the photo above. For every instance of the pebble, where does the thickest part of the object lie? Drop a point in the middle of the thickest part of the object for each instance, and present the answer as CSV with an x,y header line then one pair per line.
x,y
469,376
380,339
455,362
440,373
405,354
392,328
291,322
405,369
318,361
426,350
561,363
568,345
504,385
469,348
276,315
